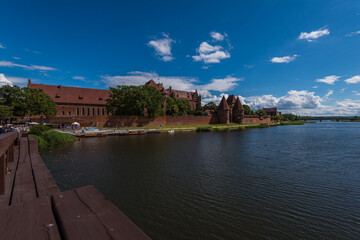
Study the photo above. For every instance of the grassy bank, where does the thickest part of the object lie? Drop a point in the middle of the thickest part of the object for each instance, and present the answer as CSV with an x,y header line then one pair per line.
x,y
48,137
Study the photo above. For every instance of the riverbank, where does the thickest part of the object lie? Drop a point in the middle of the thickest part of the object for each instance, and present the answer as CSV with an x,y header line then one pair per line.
x,y
102,132
48,137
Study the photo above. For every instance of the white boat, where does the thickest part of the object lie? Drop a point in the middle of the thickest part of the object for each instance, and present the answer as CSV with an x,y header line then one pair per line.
x,y
171,131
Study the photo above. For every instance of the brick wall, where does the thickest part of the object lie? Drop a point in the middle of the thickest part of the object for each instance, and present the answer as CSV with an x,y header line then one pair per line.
x,y
140,121
255,119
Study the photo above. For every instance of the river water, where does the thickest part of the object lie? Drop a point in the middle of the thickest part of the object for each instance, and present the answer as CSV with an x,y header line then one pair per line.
x,y
287,182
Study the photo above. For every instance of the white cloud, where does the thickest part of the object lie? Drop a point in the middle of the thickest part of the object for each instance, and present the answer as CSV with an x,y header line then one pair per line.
x,y
176,82
297,102
31,67
343,89
210,54
2,46
285,59
329,79
223,84
314,34
162,47
4,81
315,87
17,58
19,81
78,78
218,36
352,34
356,93
353,80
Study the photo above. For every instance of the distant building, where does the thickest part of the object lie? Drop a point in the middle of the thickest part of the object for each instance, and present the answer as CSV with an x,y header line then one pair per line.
x,y
271,111
192,97
75,101
230,110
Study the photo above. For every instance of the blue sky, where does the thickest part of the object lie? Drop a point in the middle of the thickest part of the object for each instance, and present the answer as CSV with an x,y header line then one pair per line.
x,y
301,56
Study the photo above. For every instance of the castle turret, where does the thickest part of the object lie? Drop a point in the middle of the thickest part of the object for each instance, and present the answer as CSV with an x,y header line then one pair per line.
x,y
238,112
223,111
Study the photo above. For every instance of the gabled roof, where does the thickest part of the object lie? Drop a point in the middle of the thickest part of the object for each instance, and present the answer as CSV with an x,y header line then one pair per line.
x,y
223,104
231,100
73,95
238,105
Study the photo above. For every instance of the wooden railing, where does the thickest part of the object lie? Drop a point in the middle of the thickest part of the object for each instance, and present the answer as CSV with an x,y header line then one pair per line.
x,y
7,143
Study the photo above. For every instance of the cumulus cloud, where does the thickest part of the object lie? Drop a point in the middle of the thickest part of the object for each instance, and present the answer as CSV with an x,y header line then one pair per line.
x,y
210,54
329,79
162,47
176,82
218,36
20,81
298,102
314,34
285,59
31,67
222,84
352,34
4,80
353,80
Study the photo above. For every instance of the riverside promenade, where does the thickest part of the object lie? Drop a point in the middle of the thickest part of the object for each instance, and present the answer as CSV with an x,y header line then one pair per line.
x,y
33,207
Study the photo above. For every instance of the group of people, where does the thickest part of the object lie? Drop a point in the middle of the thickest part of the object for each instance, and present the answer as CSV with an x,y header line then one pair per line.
x,y
11,128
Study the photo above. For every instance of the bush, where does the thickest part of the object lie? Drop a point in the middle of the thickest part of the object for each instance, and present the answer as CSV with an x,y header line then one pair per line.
x,y
263,125
39,130
204,129
199,113
53,137
41,141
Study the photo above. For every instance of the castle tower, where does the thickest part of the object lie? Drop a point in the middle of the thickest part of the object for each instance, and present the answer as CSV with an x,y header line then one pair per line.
x,y
238,112
223,111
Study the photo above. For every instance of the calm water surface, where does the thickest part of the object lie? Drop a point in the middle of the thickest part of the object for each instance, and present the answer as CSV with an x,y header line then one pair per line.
x,y
289,182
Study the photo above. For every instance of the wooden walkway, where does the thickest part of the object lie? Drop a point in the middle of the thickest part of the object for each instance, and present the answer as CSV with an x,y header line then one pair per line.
x,y
33,207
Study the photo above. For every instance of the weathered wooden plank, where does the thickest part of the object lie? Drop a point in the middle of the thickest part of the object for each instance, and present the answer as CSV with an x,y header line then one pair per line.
x,y
24,187
31,220
5,199
44,182
6,139
75,220
117,223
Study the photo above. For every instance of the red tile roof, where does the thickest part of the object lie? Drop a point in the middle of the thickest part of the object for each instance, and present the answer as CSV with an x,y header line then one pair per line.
x,y
74,95
238,105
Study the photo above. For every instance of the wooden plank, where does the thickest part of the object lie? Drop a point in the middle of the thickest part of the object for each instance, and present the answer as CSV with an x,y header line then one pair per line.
x,y
24,187
6,139
5,199
32,220
117,223
44,182
75,220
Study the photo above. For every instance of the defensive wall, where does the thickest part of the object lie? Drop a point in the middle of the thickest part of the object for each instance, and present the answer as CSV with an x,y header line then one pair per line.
x,y
141,121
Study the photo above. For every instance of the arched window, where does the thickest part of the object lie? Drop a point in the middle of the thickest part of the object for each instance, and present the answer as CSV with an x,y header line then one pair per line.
x,y
93,111
88,111
98,111
103,111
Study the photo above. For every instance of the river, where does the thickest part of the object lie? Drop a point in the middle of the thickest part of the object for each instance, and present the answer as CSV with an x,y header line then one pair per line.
x,y
287,182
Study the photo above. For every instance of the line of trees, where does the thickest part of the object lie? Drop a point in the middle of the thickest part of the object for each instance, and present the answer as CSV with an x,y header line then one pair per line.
x,y
19,102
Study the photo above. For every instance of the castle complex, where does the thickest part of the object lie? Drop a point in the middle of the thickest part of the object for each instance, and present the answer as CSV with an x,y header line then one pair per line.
x,y
88,107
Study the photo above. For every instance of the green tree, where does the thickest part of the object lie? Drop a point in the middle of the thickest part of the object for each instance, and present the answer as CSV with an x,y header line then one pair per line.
x,y
277,118
26,101
210,106
135,100
260,112
289,117
177,107
247,110
5,113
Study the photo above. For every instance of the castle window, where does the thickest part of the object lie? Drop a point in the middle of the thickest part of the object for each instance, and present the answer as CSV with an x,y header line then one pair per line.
x,y
83,111
88,112
77,111
57,96
81,97
69,113
63,113
98,111
93,111
103,111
